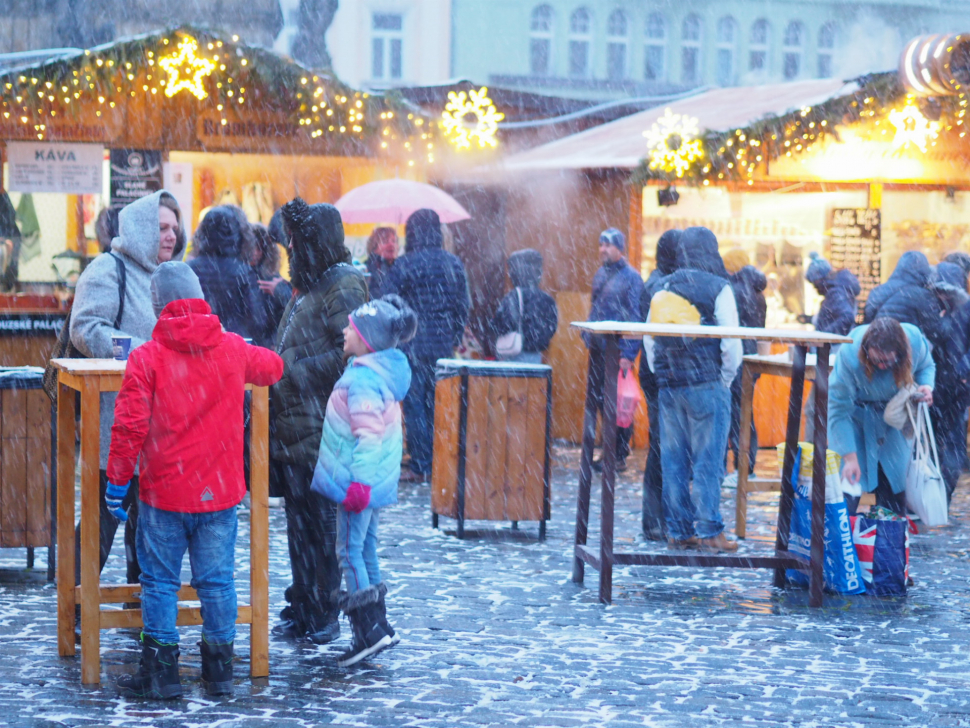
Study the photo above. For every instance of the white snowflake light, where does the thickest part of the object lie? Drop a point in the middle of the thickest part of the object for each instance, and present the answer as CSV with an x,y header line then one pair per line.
x,y
673,143
471,117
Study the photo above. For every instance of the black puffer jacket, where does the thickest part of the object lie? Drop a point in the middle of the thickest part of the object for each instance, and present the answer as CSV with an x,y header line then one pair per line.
x,y
838,310
905,296
749,285
432,282
541,317
952,338
230,285
310,336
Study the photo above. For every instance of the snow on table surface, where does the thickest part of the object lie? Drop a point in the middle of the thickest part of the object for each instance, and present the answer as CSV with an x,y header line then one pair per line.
x,y
777,336
485,364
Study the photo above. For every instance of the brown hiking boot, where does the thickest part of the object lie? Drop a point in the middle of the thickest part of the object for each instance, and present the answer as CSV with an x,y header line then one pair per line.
x,y
719,544
687,543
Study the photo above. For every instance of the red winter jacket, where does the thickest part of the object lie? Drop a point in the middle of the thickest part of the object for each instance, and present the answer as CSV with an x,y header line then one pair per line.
x,y
180,410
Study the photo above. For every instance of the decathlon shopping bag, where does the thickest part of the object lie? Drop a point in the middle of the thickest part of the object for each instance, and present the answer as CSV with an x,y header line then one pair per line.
x,y
925,490
628,396
841,569
883,550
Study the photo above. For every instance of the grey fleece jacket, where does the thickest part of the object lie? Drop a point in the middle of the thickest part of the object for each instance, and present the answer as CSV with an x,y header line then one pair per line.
x,y
96,296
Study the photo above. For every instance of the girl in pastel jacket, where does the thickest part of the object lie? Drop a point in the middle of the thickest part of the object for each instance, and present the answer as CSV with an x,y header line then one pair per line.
x,y
359,462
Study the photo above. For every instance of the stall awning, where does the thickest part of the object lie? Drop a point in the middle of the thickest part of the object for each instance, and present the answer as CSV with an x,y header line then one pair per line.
x,y
620,144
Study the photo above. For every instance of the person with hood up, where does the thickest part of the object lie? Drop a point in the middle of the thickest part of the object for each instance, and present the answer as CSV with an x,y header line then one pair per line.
x,y
223,246
617,288
432,282
381,254
179,413
652,520
310,339
527,308
359,464
839,289
694,377
883,358
150,233
749,285
906,296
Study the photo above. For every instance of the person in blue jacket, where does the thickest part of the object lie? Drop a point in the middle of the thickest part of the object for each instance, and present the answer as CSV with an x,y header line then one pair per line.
x,y
616,297
883,357
359,462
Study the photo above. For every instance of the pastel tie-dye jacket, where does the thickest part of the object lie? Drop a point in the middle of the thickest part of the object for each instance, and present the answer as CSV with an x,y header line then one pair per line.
x,y
362,436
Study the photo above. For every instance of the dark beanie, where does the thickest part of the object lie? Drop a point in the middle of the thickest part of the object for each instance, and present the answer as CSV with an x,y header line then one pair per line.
x,y
385,323
612,236
667,251
423,230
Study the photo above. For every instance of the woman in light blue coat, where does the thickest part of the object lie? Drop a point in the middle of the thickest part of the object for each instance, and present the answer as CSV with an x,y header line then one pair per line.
x,y
882,358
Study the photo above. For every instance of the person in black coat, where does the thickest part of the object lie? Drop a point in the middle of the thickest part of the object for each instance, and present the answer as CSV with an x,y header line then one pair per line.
x,y
837,314
651,513
381,254
432,282
275,290
539,315
906,296
224,246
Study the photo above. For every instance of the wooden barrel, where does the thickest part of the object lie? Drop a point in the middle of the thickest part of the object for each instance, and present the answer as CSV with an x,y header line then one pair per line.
x,y
492,442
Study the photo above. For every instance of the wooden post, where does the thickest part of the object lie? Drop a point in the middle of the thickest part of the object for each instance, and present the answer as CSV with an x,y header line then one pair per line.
x,y
585,473
65,521
612,367
788,465
816,582
259,533
90,527
744,443
634,245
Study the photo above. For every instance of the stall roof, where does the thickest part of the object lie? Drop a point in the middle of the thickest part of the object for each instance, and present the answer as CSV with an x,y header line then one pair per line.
x,y
620,144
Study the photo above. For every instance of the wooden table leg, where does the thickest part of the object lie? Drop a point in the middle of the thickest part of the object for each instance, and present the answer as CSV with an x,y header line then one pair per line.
x,y
612,357
585,473
821,393
90,527
791,443
65,521
744,444
259,534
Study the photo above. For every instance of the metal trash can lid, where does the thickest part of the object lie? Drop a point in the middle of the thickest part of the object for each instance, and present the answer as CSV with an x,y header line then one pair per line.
x,y
445,368
21,378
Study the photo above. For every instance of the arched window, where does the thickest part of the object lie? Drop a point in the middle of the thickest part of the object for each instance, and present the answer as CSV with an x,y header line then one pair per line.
x,y
792,59
758,47
580,27
655,47
540,41
690,51
826,46
726,39
616,40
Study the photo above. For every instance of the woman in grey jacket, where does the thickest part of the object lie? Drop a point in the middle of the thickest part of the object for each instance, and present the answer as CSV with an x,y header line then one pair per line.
x,y
149,232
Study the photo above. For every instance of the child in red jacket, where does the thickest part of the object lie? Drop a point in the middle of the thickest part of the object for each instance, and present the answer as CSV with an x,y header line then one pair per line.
x,y
180,416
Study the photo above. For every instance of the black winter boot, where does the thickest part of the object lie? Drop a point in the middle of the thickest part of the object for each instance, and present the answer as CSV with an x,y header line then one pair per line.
x,y
216,668
369,636
158,672
382,615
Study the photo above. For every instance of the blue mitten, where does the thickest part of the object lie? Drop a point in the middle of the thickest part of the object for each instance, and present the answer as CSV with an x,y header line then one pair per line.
x,y
113,497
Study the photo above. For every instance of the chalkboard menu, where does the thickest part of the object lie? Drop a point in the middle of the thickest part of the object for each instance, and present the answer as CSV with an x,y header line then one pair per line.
x,y
135,173
855,243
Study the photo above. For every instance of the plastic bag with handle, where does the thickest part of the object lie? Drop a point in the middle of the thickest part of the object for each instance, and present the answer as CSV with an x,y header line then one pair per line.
x,y
628,396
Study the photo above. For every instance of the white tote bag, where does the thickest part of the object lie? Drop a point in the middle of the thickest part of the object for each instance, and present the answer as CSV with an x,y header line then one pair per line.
x,y
925,489
509,345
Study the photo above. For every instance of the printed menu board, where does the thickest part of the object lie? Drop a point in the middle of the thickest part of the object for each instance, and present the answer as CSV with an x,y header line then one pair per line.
x,y
855,243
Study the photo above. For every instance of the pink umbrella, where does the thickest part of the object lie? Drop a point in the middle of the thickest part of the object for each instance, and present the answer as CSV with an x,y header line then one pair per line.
x,y
393,201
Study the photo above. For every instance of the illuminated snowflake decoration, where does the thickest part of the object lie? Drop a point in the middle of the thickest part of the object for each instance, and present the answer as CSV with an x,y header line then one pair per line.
x,y
912,128
673,143
471,117
186,70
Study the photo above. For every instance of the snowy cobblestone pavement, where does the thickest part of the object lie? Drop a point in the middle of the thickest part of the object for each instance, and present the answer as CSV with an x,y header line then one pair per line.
x,y
495,633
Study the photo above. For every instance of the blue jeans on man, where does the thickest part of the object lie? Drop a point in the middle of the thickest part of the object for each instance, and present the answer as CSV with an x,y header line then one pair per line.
x,y
696,420
418,409
357,548
162,540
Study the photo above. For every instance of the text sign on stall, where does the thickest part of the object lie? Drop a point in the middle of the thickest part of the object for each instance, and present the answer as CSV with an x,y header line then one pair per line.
x,y
135,173
73,169
855,240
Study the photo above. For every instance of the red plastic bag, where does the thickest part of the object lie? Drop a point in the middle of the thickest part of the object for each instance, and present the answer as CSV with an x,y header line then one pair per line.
x,y
628,398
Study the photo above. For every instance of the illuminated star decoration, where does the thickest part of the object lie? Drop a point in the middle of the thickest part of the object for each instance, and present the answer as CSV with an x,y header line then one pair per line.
x,y
912,128
673,143
186,70
471,117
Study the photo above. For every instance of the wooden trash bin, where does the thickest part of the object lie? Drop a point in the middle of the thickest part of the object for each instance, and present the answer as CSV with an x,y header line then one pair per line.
x,y
492,442
25,463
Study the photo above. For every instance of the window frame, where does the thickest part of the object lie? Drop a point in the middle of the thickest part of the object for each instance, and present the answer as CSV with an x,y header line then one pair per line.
x,y
577,38
692,46
761,48
539,36
651,42
825,53
730,46
793,52
386,37
619,41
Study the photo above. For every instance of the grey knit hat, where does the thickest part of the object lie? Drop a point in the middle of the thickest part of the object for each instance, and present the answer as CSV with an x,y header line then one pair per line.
x,y
612,236
385,323
172,281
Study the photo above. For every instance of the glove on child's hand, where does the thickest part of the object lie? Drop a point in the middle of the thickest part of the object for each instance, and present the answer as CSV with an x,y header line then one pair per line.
x,y
113,498
357,498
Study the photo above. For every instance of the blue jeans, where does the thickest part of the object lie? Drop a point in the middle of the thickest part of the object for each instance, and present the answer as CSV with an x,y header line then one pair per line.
x,y
357,547
696,420
210,538
418,408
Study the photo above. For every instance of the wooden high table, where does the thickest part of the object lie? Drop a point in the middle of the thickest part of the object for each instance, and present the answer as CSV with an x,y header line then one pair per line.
x,y
91,377
605,558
